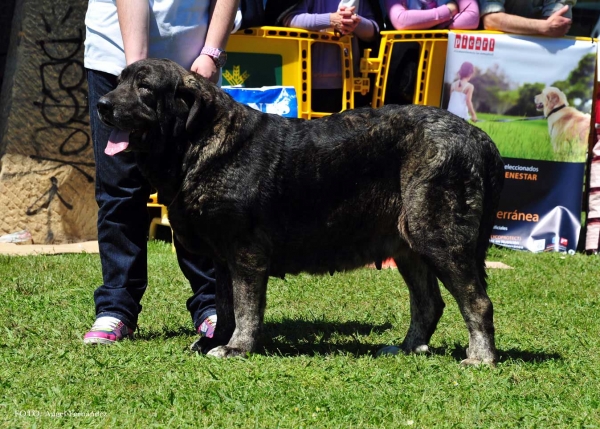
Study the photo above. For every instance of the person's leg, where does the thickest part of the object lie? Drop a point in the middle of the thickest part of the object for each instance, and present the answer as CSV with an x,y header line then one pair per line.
x,y
200,272
121,194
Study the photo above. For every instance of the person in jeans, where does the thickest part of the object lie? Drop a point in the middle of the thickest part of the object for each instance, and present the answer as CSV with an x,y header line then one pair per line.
x,y
551,18
194,34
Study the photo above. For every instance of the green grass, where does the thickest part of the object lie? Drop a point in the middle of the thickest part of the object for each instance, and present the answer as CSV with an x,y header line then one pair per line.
x,y
529,140
317,368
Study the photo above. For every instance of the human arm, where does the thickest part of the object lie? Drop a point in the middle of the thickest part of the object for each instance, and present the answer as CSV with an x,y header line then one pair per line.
x,y
301,17
134,18
364,28
403,18
467,17
556,25
344,20
219,28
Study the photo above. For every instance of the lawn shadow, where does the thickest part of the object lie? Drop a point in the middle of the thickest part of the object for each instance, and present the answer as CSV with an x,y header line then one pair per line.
x,y
164,333
527,356
292,337
459,352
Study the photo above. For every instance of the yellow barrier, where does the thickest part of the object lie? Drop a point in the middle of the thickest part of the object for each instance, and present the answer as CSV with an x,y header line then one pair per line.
x,y
267,56
282,56
162,220
429,80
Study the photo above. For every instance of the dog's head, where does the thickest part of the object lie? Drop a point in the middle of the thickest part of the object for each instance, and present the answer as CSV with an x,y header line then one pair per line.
x,y
549,99
153,102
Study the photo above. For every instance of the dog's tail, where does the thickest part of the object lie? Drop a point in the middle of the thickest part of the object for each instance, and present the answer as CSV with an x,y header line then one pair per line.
x,y
493,183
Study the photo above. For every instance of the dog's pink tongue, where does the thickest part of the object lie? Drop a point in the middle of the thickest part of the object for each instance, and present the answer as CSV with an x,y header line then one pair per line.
x,y
117,142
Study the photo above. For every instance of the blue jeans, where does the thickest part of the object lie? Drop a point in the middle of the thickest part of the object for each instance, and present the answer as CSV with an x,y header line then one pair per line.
x,y
122,194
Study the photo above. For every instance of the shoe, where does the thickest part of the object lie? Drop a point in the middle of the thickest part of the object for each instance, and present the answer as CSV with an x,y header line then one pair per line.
x,y
107,330
205,330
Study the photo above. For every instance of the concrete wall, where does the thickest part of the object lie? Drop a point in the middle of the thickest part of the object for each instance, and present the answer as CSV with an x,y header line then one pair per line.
x,y
47,162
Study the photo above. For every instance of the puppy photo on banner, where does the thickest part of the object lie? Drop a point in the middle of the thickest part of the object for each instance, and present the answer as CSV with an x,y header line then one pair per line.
x,y
533,96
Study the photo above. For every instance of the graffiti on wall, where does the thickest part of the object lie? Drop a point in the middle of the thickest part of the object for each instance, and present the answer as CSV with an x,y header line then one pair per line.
x,y
63,137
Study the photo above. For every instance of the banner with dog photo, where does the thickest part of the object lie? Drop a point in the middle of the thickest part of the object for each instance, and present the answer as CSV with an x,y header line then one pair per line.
x,y
533,96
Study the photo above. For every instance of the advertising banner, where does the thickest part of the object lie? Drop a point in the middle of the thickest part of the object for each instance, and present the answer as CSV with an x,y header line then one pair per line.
x,y
533,96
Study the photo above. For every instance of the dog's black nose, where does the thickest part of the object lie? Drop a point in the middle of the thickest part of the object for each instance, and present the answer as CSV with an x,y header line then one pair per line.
x,y
104,106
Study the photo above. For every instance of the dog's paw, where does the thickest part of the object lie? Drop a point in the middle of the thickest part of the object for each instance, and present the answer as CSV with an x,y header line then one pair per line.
x,y
478,362
202,345
422,349
393,350
415,348
480,356
226,352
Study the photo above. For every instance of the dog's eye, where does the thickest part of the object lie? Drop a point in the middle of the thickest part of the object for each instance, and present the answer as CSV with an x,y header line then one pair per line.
x,y
144,85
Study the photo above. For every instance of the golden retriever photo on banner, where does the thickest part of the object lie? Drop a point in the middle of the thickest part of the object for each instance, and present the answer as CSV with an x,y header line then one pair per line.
x,y
565,123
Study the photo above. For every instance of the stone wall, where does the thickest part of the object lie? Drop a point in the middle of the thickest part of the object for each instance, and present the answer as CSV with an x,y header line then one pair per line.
x,y
47,163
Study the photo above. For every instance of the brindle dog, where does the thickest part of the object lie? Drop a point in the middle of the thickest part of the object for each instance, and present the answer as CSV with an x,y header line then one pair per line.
x,y
265,195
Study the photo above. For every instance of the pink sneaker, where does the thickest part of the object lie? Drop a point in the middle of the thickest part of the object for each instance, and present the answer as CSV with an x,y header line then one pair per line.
x,y
107,330
207,328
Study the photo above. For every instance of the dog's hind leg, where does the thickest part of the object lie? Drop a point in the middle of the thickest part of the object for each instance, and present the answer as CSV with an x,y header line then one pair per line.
x,y
249,290
477,311
426,303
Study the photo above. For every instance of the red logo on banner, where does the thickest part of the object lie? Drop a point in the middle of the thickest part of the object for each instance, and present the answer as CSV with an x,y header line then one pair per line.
x,y
486,43
457,41
474,43
564,241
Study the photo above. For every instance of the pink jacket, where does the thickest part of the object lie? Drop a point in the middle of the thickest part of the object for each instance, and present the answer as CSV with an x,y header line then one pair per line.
x,y
403,18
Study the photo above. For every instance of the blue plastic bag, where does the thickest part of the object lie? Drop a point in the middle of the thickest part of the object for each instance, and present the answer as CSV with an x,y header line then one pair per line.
x,y
280,100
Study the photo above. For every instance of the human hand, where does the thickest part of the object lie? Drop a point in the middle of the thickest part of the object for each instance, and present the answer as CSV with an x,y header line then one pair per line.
x,y
453,7
205,66
345,20
557,25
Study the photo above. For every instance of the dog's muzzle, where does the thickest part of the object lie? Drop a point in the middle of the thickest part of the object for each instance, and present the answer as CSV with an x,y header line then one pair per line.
x,y
105,110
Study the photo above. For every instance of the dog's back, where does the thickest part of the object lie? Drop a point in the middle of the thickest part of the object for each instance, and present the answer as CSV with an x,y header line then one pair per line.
x,y
387,175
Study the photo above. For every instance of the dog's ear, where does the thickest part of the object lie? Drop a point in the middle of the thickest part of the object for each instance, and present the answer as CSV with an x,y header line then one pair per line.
x,y
553,99
189,94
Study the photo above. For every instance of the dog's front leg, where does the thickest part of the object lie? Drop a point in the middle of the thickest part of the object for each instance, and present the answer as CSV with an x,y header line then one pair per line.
x,y
225,316
249,290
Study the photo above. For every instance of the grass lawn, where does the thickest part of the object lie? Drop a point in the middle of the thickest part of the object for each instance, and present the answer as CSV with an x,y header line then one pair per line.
x,y
529,140
317,368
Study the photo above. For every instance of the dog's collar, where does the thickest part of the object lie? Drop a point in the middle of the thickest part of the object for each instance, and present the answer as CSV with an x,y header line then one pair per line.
x,y
556,109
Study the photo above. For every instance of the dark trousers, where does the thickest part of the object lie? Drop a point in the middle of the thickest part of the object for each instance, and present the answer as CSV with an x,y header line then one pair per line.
x,y
122,194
